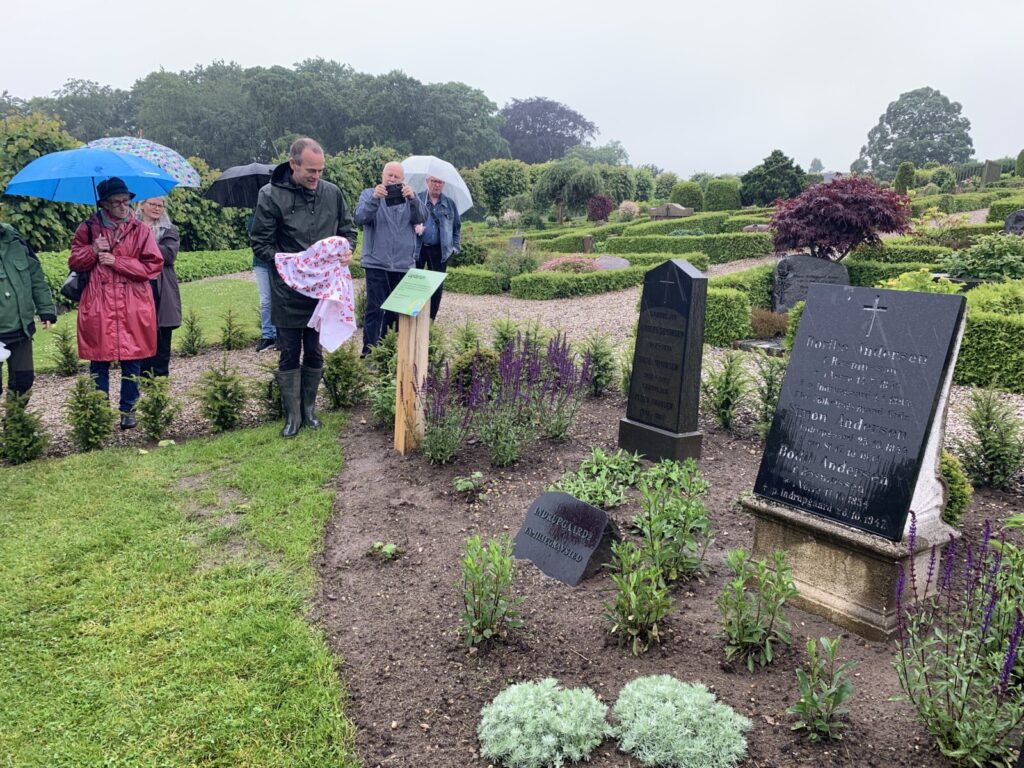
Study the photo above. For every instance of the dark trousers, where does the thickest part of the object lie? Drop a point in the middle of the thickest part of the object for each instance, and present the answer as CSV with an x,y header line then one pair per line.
x,y
430,258
130,370
294,341
20,373
160,363
379,285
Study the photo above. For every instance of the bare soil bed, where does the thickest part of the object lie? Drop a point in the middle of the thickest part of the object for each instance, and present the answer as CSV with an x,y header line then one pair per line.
x,y
415,690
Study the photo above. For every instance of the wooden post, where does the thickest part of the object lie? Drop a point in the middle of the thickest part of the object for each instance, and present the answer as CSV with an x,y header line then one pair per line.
x,y
413,343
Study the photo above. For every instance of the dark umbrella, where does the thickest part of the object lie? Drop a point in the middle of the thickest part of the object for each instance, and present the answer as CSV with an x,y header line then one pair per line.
x,y
239,185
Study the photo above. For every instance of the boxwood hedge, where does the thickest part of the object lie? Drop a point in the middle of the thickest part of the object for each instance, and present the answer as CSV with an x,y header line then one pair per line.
x,y
719,248
559,285
902,250
755,282
867,273
698,260
709,223
727,317
473,280
998,211
992,351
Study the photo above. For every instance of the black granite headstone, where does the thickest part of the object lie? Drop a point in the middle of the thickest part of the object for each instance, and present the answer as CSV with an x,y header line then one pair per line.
x,y
793,274
566,538
857,404
517,243
664,387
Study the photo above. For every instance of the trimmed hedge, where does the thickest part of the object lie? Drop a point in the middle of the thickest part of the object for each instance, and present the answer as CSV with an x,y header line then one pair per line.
x,y
737,223
968,201
719,248
722,195
867,273
709,223
474,280
559,285
899,251
756,283
992,351
960,236
727,317
698,260
997,212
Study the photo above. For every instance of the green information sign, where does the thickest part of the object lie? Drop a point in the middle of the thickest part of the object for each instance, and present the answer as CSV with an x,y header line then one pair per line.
x,y
414,290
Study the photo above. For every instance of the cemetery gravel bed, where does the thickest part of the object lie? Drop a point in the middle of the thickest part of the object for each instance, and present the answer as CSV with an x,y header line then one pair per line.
x,y
415,691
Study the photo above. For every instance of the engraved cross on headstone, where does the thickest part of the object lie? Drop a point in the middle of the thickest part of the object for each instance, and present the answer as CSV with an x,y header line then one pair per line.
x,y
874,310
666,283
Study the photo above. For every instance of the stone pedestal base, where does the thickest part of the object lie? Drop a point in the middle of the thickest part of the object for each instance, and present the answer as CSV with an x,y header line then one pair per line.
x,y
657,444
843,575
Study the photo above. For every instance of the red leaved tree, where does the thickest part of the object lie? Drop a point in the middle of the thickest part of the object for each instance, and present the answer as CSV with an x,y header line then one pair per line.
x,y
832,219
599,208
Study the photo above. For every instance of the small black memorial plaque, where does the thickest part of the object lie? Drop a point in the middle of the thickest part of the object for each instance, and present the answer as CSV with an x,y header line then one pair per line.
x,y
664,388
857,404
793,275
566,538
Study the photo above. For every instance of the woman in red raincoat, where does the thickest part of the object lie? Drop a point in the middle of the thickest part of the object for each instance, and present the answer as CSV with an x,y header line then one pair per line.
x,y
116,314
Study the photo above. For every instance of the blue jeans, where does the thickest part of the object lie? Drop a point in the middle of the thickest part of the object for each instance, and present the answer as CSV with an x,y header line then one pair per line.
x,y
100,371
379,285
267,330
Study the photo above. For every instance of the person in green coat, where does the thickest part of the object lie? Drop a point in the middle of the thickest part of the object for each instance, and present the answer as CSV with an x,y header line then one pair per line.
x,y
296,209
23,295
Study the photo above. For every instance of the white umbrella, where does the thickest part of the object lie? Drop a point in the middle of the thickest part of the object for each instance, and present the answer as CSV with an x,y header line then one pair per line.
x,y
418,167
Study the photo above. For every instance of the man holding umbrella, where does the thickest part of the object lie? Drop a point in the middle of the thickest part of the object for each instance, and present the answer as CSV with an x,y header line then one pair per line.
x,y
440,236
296,209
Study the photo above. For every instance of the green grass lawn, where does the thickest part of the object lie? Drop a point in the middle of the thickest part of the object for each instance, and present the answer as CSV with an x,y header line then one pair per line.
x,y
152,609
210,300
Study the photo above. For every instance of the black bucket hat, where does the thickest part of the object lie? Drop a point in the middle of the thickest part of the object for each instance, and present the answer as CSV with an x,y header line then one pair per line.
x,y
112,186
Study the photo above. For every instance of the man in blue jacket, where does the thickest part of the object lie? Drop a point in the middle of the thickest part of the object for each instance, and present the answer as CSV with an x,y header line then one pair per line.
x,y
387,213
439,236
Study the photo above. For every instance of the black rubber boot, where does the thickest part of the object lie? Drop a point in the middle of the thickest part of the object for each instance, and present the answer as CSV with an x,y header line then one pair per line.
x,y
310,384
291,398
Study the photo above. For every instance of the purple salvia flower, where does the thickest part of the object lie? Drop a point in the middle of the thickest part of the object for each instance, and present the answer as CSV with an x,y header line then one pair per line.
x,y
931,569
912,549
1011,653
901,582
948,563
986,622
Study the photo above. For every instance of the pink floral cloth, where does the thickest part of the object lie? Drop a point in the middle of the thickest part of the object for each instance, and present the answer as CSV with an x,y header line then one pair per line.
x,y
317,273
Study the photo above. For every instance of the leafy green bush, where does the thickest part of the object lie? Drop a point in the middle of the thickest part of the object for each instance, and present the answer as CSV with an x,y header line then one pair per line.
x,y
470,254
89,415
720,249
157,408
232,334
501,179
688,194
600,354
65,350
956,236
642,599
756,282
508,264
768,325
192,341
711,223
992,350
487,575
920,281
267,392
477,281
904,177
819,711
381,396
537,725
602,479
556,285
999,211
664,722
866,273
722,195
771,371
753,608
572,264
794,324
724,389
345,377
1006,298
727,317
958,489
901,251
23,437
992,257
674,528
995,452
222,396
197,265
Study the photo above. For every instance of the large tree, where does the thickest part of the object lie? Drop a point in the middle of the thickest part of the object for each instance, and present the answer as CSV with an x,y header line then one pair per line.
x,y
777,177
919,126
88,110
566,184
539,129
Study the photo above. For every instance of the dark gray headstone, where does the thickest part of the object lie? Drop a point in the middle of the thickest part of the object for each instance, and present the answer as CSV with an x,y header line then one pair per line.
x,y
588,243
669,211
1015,223
991,172
793,274
517,243
664,388
566,538
858,402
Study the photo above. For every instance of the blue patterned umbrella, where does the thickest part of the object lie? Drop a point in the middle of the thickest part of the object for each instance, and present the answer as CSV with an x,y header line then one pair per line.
x,y
159,155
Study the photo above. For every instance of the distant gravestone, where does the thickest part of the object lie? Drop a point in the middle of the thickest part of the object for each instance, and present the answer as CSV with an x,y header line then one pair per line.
x,y
517,243
991,172
1015,223
588,243
757,228
854,446
794,274
857,406
664,387
566,538
669,211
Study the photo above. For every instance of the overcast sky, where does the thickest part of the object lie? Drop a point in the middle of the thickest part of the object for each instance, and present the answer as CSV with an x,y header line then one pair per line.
x,y
688,86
